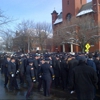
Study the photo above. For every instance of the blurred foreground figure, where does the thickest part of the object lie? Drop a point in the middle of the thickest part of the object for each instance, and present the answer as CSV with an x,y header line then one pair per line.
x,y
84,80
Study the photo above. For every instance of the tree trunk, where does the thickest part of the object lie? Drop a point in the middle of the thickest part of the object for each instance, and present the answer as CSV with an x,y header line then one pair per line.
x,y
41,48
82,48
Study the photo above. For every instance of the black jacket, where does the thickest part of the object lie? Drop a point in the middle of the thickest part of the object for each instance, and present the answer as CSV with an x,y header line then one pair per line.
x,y
30,73
35,63
57,68
6,66
97,63
46,71
64,68
84,80
71,64
12,68
21,66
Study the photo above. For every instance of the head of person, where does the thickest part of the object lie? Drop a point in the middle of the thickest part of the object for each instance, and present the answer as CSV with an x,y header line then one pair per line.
x,y
19,58
82,59
90,55
37,56
47,60
27,56
42,61
57,57
60,56
13,60
72,56
31,56
41,56
31,63
8,58
97,57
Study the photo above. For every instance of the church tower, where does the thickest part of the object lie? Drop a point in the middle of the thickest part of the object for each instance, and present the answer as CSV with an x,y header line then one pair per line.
x,y
96,8
54,16
71,8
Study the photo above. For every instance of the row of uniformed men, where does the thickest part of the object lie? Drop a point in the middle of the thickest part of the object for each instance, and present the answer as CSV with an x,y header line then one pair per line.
x,y
39,69
32,69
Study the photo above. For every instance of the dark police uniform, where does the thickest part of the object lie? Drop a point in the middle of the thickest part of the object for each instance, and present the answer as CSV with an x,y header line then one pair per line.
x,y
47,74
12,75
64,73
30,78
40,81
21,70
3,64
57,72
36,65
6,72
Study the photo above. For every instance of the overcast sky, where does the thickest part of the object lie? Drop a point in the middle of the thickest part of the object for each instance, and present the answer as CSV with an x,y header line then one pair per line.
x,y
37,10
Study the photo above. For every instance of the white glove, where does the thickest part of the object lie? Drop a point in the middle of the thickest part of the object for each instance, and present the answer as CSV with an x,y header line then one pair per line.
x,y
34,80
40,76
12,75
17,72
72,92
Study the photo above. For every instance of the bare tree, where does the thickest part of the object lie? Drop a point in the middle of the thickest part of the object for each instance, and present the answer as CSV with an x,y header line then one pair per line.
x,y
81,30
23,35
31,35
43,30
6,33
8,39
4,20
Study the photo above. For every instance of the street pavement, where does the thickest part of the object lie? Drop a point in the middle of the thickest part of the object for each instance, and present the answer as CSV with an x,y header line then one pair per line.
x,y
56,94
5,94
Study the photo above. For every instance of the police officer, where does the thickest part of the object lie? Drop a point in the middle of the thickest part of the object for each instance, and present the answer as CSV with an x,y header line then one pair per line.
x,y
40,83
64,73
47,75
57,71
21,70
7,61
3,64
12,74
30,77
36,65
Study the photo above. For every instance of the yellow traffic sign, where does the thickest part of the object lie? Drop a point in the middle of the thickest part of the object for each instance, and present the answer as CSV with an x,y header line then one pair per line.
x,y
87,46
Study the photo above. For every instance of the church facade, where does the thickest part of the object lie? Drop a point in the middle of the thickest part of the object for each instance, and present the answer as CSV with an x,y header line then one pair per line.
x,y
76,8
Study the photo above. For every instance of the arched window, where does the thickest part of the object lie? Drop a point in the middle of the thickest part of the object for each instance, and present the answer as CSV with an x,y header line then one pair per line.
x,y
68,17
68,2
80,1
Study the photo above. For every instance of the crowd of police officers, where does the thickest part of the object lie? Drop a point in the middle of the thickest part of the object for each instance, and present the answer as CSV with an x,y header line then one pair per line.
x,y
79,72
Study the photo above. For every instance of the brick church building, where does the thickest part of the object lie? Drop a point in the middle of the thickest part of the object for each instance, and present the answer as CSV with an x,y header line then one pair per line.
x,y
75,8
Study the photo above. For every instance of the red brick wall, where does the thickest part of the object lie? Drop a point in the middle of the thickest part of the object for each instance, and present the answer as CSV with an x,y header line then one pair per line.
x,y
73,8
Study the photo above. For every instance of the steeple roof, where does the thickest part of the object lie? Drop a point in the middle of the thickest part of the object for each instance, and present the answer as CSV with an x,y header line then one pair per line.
x,y
85,9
